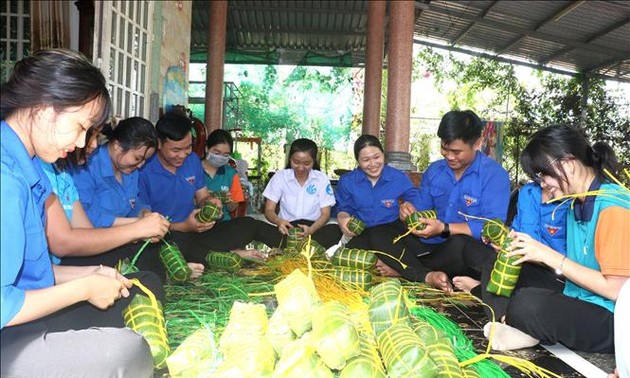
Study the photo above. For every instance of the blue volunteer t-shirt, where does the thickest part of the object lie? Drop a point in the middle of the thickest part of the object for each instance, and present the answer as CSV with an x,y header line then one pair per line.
x,y
102,196
172,195
374,205
24,263
483,190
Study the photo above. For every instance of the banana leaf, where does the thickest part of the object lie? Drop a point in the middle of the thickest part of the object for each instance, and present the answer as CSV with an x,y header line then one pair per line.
x,y
311,247
294,238
504,275
248,321
253,358
387,306
470,372
174,263
403,353
146,317
357,278
299,359
368,363
279,333
356,225
227,261
208,213
198,346
297,296
495,231
441,352
335,338
427,333
354,258
413,219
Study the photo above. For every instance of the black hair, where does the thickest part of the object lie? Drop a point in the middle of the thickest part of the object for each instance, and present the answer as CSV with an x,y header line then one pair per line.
x,y
366,140
220,136
59,78
131,133
304,145
558,142
173,126
464,125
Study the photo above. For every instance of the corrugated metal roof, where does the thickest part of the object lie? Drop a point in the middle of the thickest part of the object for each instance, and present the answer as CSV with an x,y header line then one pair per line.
x,y
577,36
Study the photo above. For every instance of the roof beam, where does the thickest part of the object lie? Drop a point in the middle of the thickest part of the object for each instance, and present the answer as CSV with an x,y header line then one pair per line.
x,y
434,7
462,34
592,38
352,33
233,7
510,61
555,17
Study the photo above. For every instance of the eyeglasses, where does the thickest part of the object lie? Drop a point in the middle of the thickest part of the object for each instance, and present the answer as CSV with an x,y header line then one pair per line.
x,y
539,175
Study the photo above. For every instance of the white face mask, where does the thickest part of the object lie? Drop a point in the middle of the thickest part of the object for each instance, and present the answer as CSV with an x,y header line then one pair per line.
x,y
216,160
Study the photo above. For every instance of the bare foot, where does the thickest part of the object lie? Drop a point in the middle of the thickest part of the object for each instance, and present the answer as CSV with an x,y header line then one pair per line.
x,y
439,280
464,283
614,374
250,254
197,269
506,337
385,270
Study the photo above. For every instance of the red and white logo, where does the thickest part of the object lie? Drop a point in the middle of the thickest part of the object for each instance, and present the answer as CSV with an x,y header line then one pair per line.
x,y
468,200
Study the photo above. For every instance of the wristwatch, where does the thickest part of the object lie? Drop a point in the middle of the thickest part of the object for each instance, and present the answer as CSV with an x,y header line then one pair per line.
x,y
446,232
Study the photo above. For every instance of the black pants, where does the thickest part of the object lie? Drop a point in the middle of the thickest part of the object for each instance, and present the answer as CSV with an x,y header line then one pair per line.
x,y
552,317
327,236
80,340
421,258
225,236
148,260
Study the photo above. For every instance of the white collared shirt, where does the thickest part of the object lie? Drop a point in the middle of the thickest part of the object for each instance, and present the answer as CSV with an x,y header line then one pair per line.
x,y
300,202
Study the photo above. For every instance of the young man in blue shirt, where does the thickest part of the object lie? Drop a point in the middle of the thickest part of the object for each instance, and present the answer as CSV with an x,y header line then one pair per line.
x,y
465,182
172,184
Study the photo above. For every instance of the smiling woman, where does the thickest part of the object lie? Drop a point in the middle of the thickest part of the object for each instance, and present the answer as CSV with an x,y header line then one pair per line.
x,y
48,103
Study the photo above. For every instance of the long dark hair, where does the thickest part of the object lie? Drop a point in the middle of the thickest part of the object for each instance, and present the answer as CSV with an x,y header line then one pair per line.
x,y
59,78
558,142
366,140
131,133
304,145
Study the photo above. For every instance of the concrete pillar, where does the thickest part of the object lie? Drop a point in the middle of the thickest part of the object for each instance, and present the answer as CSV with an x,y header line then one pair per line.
x,y
400,55
374,67
214,72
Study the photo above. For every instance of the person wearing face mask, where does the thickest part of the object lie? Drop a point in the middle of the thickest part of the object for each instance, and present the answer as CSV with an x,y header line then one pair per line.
x,y
173,184
304,194
466,182
221,179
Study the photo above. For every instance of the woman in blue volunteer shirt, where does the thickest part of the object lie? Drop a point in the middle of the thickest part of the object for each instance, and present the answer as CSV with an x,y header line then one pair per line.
x,y
221,179
371,192
304,194
53,316
108,182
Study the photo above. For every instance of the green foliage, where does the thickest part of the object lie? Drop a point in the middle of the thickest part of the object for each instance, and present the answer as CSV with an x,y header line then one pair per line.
x,y
492,89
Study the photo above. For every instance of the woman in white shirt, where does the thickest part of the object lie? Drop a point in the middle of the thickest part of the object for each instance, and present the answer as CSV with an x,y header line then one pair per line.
x,y
304,194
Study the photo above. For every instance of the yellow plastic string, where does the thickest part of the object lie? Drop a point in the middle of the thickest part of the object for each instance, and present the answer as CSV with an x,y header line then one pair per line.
x,y
146,291
402,264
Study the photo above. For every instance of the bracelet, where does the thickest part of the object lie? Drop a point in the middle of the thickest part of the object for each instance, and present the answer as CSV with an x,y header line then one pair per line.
x,y
559,269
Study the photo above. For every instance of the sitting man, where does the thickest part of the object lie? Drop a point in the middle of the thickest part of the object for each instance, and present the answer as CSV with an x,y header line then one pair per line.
x,y
465,183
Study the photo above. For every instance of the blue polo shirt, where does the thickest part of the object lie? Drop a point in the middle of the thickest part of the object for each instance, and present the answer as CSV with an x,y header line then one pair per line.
x,y
102,196
374,205
24,264
172,195
545,222
483,190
